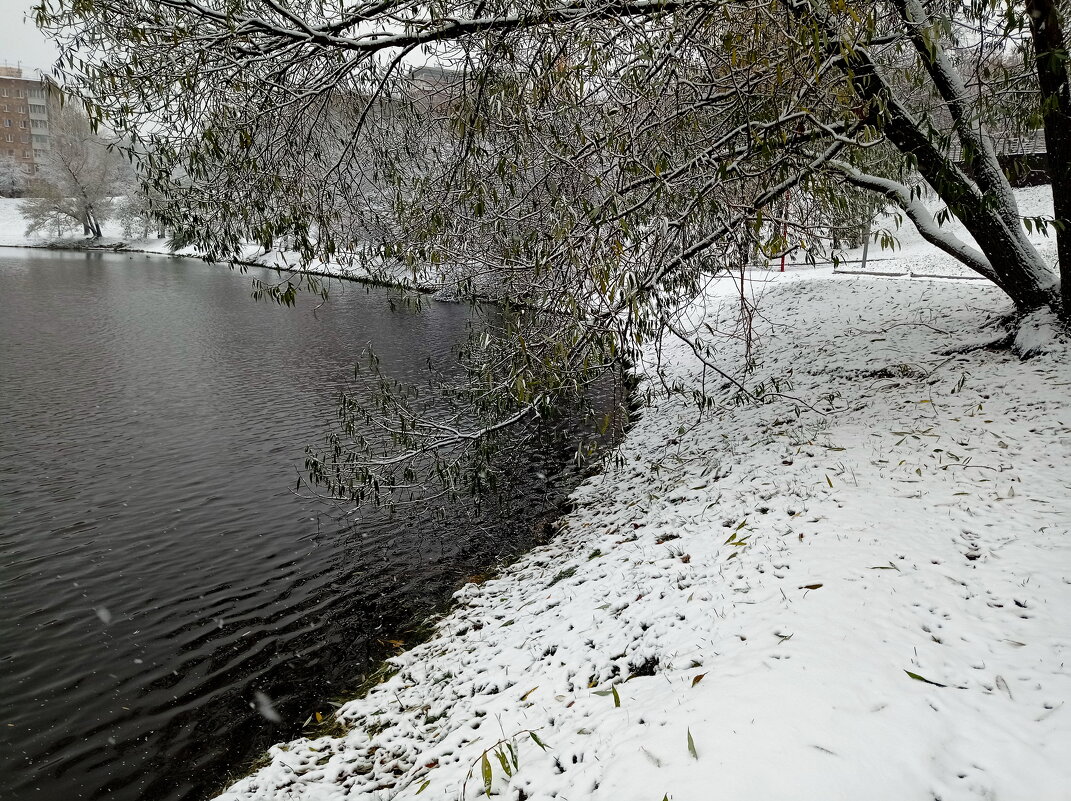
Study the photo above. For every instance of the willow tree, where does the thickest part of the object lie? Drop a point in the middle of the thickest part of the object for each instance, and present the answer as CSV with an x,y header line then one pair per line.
x,y
600,159
79,176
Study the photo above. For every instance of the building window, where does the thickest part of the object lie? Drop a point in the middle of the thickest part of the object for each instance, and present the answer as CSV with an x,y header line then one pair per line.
x,y
7,123
22,123
19,93
26,154
22,109
10,138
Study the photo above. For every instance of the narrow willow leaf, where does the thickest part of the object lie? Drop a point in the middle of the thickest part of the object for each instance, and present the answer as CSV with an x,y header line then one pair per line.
x,y
691,746
1003,685
423,787
917,677
536,740
485,768
504,763
617,698
698,678
513,756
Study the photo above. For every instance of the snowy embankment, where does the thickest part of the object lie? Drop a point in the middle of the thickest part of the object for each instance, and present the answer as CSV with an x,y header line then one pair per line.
x,y
13,234
858,588
910,256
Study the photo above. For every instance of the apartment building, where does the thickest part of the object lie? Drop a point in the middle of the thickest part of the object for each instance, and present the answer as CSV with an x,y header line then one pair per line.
x,y
25,99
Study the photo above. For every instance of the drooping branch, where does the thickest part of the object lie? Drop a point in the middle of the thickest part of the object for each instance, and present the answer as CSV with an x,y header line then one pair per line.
x,y
417,29
917,212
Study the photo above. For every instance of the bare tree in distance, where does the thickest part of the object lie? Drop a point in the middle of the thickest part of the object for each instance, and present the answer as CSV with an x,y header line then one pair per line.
x,y
79,178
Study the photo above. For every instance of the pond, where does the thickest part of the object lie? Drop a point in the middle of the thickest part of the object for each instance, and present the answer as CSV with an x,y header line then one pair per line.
x,y
170,606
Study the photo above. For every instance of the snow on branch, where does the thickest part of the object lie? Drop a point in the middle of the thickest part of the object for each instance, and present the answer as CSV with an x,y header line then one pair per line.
x,y
921,216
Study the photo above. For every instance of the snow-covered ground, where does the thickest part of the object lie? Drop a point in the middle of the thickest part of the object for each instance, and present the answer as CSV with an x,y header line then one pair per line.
x,y
859,588
914,256
13,232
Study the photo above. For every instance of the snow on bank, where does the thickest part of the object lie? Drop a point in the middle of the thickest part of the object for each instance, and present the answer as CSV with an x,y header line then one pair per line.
x,y
911,256
13,234
859,588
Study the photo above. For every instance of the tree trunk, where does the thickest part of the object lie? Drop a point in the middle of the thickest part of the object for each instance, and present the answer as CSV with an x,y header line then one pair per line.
x,y
92,224
988,211
1051,55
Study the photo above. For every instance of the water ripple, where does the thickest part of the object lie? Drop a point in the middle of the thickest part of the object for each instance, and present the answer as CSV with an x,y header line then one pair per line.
x,y
155,569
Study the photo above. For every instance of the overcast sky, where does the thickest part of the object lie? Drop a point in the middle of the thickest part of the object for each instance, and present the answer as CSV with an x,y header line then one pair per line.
x,y
20,41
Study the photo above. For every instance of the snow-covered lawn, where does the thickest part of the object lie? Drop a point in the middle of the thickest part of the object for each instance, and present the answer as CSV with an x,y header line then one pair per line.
x,y
914,256
867,599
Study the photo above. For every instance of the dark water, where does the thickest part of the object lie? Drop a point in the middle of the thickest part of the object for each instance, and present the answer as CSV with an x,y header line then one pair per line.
x,y
156,570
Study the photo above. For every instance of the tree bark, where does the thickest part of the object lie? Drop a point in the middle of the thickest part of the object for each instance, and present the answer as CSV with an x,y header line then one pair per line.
x,y
1050,52
91,225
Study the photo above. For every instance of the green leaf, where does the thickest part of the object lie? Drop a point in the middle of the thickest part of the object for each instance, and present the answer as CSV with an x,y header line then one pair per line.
x,y
504,763
513,757
691,746
617,698
423,787
917,677
830,483
485,768
536,740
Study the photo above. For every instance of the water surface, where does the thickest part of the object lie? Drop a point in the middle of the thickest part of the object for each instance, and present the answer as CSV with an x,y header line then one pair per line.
x,y
157,570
